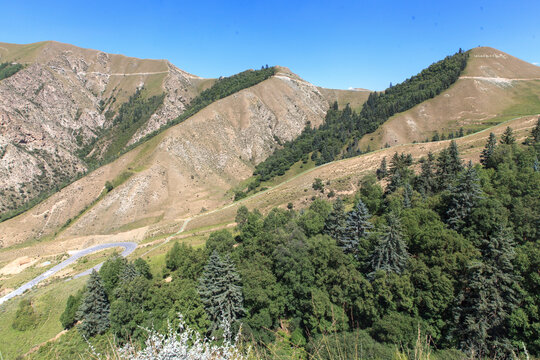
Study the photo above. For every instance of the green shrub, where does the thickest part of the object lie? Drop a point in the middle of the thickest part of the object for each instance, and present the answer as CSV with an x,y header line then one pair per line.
x,y
25,317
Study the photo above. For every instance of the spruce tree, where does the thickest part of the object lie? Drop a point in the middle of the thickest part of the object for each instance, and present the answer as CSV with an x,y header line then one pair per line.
x,y
221,292
336,221
508,136
487,153
464,197
395,182
448,166
395,164
426,183
94,309
129,272
488,297
390,253
357,228
382,171
407,196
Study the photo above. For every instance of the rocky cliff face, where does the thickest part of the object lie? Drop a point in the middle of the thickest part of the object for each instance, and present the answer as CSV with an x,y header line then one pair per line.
x,y
56,105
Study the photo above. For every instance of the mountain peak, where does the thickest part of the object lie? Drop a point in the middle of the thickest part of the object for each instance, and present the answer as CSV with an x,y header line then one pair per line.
x,y
489,62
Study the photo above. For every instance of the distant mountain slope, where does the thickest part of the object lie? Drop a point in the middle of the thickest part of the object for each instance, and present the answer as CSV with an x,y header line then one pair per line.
x,y
493,87
60,102
355,97
187,168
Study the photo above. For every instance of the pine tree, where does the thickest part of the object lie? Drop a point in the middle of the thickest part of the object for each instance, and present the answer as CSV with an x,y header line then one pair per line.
x,y
356,229
407,196
395,182
221,292
488,297
336,221
395,164
508,136
487,153
129,272
455,164
94,309
426,182
448,166
382,171
390,253
464,197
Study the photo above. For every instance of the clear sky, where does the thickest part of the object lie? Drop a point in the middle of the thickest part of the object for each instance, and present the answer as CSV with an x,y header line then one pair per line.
x,y
335,44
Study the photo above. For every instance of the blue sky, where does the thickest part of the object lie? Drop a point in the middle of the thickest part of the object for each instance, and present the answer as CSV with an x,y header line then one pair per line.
x,y
332,44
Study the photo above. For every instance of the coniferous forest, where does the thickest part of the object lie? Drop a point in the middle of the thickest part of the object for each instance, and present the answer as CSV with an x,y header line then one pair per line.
x,y
438,249
338,136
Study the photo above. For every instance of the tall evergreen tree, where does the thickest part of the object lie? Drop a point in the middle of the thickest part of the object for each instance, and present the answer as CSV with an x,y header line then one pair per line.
x,y
390,253
336,221
396,181
407,196
129,272
221,292
488,297
382,171
357,228
464,197
448,166
94,309
426,183
487,153
508,137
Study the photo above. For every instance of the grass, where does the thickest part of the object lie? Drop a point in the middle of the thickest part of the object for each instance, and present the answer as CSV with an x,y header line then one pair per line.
x,y
139,223
48,302
91,260
16,280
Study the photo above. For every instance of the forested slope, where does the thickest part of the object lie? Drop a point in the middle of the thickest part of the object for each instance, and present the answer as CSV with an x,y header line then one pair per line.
x,y
339,135
450,250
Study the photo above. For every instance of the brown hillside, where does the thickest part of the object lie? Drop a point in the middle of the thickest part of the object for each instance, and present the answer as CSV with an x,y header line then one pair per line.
x,y
355,98
58,102
343,176
185,169
494,87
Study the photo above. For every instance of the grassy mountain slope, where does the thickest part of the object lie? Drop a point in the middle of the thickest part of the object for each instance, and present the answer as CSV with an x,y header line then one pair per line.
x,y
494,87
355,98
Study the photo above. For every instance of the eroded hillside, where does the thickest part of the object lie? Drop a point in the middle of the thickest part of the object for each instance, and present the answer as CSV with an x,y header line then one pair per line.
x,y
58,103
184,170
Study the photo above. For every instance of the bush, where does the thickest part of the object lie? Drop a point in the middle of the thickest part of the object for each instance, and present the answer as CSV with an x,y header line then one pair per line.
x,y
25,317
69,316
397,328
